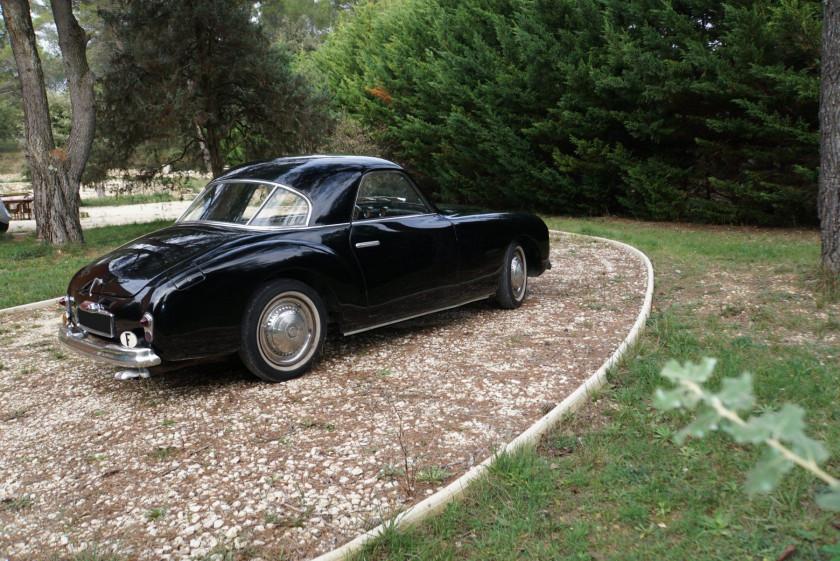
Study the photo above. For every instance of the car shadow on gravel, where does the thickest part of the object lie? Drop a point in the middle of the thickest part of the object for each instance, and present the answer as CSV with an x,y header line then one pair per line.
x,y
211,374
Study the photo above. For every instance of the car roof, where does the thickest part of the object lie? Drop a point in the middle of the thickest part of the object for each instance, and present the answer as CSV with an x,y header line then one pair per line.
x,y
328,181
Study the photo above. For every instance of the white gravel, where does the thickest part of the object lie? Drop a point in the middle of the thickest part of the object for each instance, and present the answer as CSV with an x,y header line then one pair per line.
x,y
208,458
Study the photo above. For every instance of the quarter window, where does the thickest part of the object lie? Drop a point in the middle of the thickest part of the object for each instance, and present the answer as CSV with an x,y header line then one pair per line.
x,y
384,194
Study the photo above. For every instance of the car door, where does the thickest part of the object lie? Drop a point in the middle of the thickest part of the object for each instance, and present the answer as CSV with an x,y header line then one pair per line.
x,y
406,251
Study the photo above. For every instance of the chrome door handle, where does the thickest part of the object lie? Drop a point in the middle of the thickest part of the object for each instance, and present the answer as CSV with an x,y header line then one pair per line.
x,y
374,243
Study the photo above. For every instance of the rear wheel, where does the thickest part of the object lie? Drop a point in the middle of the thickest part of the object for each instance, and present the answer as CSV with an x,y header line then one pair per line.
x,y
4,226
283,330
513,282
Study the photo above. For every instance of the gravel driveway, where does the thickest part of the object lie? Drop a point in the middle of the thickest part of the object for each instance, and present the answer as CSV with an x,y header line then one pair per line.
x,y
208,459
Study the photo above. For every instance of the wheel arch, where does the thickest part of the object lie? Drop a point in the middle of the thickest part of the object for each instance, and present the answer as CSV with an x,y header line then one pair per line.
x,y
532,254
316,283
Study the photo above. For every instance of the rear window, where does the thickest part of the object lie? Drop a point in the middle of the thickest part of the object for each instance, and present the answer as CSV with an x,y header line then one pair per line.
x,y
250,203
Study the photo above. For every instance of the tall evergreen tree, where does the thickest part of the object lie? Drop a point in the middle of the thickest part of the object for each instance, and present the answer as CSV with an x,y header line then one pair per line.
x,y
203,77
676,109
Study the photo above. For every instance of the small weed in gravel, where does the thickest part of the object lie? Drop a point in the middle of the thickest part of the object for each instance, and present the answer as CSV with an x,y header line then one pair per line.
x,y
157,513
163,453
433,474
15,504
390,473
310,424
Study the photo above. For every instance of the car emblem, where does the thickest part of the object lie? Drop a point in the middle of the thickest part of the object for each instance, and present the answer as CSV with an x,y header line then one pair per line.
x,y
96,281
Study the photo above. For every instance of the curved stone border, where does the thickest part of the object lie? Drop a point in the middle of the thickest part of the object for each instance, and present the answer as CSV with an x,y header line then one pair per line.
x,y
32,306
434,504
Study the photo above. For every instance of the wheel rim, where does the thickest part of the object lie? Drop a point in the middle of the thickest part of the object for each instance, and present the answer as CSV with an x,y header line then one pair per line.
x,y
288,330
518,274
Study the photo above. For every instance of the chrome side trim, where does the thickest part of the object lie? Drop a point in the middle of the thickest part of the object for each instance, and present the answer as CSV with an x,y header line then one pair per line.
x,y
77,340
378,325
262,228
373,243
373,220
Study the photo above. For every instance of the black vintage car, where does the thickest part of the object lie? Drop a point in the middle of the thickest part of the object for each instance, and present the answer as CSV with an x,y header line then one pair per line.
x,y
271,253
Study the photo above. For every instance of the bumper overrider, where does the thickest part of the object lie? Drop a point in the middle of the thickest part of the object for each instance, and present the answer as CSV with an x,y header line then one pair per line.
x,y
93,347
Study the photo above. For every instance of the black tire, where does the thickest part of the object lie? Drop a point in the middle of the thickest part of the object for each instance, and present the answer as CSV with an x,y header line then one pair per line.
x,y
4,227
513,281
283,330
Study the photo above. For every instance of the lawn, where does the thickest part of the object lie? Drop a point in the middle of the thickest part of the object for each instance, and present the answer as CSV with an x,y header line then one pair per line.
x,y
610,483
31,271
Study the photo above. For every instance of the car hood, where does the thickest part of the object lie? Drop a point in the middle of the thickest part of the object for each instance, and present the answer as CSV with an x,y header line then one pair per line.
x,y
128,269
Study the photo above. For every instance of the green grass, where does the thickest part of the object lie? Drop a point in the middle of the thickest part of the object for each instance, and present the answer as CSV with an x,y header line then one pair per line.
x,y
609,483
130,200
32,271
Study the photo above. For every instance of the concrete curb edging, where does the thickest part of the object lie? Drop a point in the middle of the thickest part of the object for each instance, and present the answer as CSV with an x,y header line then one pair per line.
x,y
434,504
32,306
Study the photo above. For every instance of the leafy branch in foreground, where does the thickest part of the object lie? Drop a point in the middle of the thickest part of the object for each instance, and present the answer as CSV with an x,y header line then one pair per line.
x,y
782,431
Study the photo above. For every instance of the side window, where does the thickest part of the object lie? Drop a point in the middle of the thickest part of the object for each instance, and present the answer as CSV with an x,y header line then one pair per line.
x,y
387,193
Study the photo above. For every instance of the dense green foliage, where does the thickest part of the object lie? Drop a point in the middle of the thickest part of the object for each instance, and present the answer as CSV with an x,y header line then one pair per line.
x,y
189,78
302,24
663,109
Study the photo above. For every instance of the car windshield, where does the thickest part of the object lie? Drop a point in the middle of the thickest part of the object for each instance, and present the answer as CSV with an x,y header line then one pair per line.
x,y
251,203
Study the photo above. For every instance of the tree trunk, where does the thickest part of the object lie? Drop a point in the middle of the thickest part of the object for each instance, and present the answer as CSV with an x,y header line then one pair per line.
x,y
56,172
828,203
72,40
205,154
213,144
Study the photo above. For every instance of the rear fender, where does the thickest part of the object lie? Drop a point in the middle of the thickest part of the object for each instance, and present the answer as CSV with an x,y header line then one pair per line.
x,y
204,319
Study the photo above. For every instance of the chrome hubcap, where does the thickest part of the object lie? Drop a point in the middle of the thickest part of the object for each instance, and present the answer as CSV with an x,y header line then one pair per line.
x,y
518,274
286,330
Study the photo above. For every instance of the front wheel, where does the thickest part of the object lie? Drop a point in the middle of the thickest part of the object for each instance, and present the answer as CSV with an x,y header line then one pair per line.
x,y
513,281
283,330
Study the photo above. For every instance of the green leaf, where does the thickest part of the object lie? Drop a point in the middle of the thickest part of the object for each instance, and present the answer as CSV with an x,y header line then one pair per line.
x,y
668,399
830,500
788,423
705,422
809,449
757,430
765,476
691,371
736,393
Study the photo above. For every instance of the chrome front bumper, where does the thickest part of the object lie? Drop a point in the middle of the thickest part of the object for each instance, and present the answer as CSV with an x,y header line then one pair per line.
x,y
92,347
